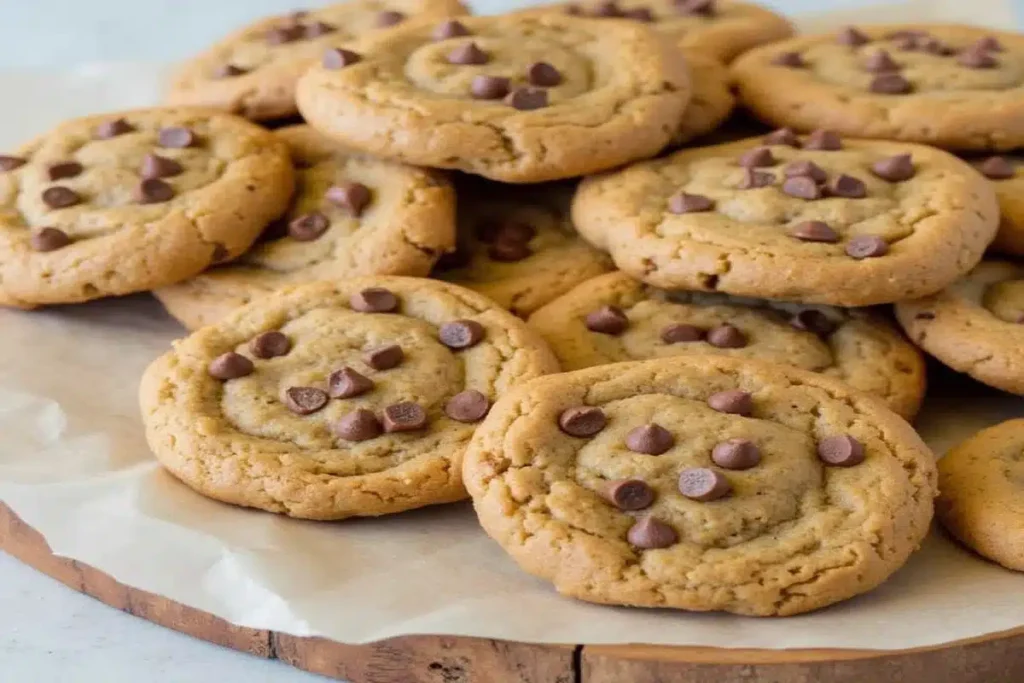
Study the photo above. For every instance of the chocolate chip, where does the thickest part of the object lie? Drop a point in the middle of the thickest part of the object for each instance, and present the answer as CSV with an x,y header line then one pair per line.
x,y
49,239
608,10
690,203
467,406
543,75
805,168
866,246
359,425
801,187
628,494
527,99
468,53
308,226
305,400
639,14
153,191
346,383
894,169
352,196
823,140
374,300
890,84
111,129
976,59
790,59
706,7
759,157
988,44
732,401
841,451
60,197
281,35
650,534
574,10
155,166
270,345
338,58
703,484
880,62
9,163
389,18
404,417
782,136
607,320
64,169
489,87
228,71
651,439
996,168
815,322
753,179
176,137
851,37
847,186
726,337
317,29
384,357
450,29
681,333
936,47
582,421
508,251
220,253
814,231
736,454
461,334
230,365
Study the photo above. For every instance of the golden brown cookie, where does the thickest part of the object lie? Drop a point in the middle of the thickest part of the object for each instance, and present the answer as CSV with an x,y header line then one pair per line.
x,y
254,70
1007,178
957,87
337,399
712,101
815,219
613,318
124,202
705,483
351,215
515,98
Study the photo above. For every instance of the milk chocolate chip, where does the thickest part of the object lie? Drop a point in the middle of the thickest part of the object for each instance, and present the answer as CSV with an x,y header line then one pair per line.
x,y
305,400
49,239
841,451
607,320
582,421
230,365
703,484
736,454
467,406
374,300
628,494
732,401
650,534
359,425
461,334
651,439
404,417
270,345
347,383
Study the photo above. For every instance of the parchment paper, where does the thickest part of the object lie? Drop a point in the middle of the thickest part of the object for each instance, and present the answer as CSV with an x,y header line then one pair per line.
x,y
74,464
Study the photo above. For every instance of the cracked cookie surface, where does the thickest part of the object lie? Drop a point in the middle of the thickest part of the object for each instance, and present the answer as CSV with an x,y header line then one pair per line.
x,y
124,202
332,400
958,87
518,99
860,347
254,70
976,325
701,484
351,215
816,219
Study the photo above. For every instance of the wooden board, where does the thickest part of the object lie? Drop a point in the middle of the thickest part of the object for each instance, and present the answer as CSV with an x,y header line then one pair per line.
x,y
996,658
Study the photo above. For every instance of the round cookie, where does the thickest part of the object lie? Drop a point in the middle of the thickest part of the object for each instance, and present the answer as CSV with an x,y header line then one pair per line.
x,y
337,399
613,319
706,483
517,245
814,219
976,325
1007,178
957,87
981,499
351,215
124,202
712,101
516,98
254,70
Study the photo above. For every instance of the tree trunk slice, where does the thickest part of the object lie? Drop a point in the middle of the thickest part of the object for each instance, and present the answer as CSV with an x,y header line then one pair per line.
x,y
994,658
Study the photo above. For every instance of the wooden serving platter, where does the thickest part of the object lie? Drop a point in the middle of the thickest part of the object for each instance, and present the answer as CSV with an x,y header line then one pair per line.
x,y
995,658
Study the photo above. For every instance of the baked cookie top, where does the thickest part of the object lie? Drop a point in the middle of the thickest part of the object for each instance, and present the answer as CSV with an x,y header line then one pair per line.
x,y
613,318
712,101
1007,175
123,202
982,493
517,245
515,98
350,215
960,87
706,483
976,325
254,70
329,400
816,219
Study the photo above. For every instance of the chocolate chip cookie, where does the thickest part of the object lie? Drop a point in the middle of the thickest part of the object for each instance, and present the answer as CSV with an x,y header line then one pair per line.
x,y
330,400
124,202
982,493
705,483
351,215
815,218
519,99
253,71
613,318
517,245
712,101
1007,176
958,87
976,325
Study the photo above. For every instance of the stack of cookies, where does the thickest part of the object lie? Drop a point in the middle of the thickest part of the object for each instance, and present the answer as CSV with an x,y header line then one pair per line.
x,y
427,256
